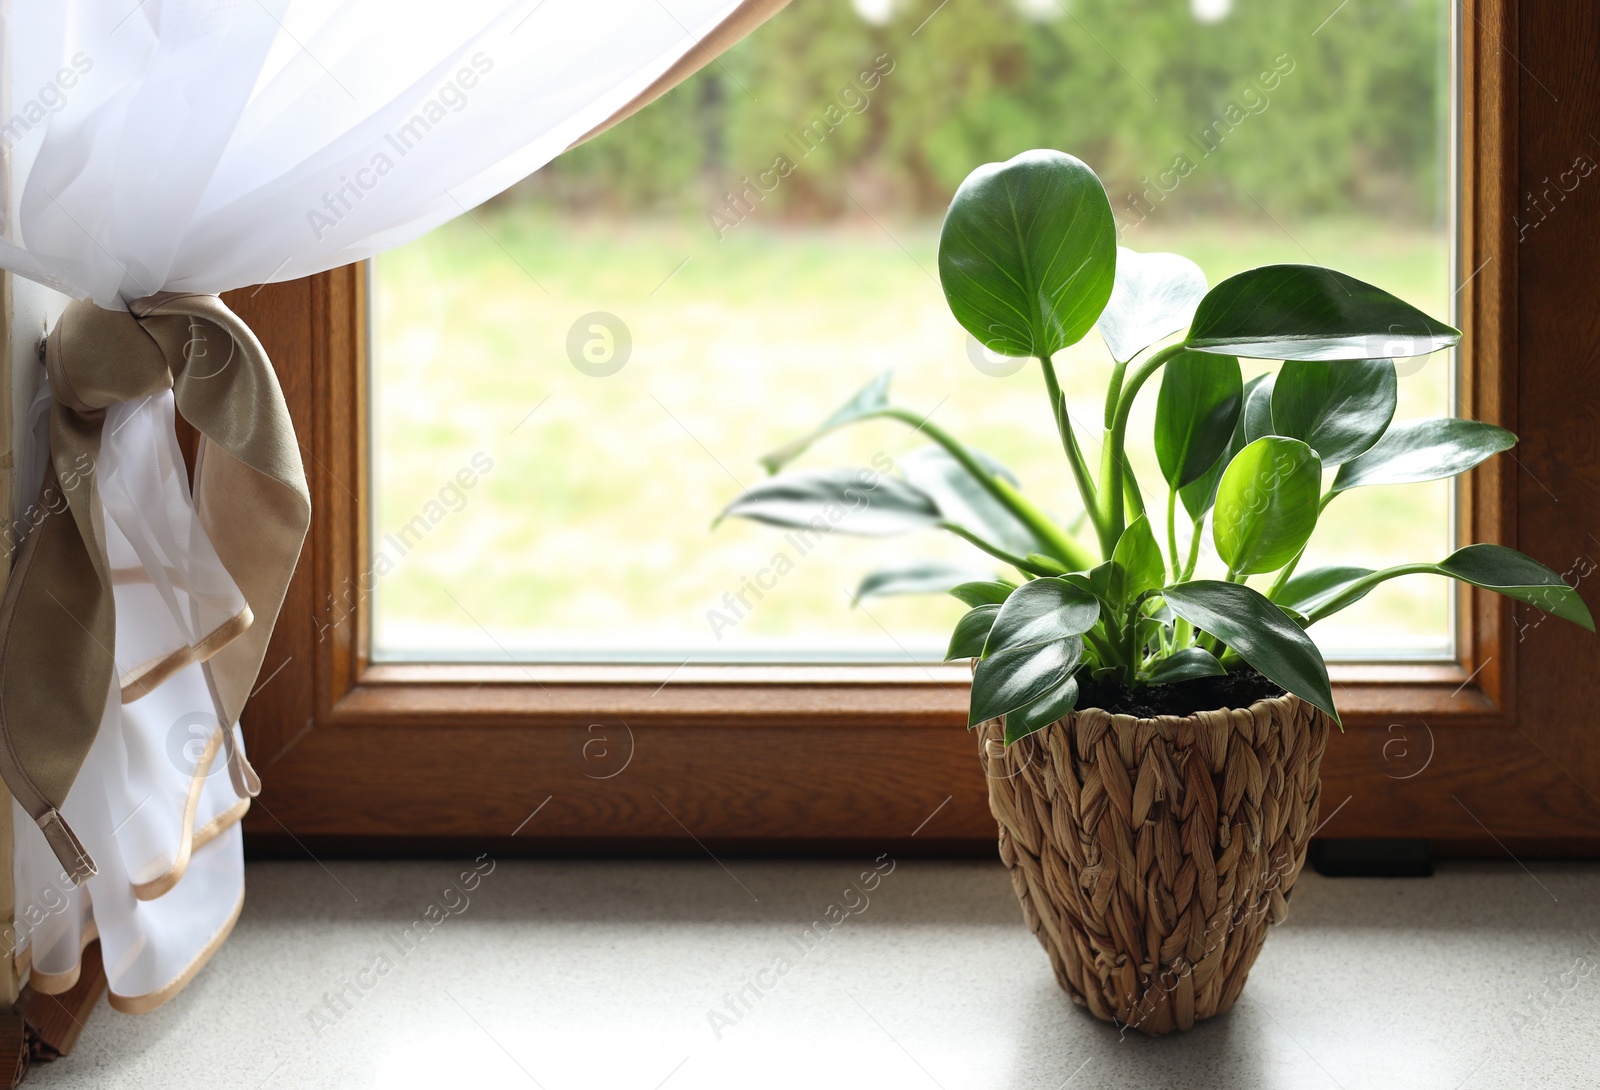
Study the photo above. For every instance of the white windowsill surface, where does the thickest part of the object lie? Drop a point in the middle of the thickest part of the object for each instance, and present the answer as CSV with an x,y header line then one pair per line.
x,y
600,975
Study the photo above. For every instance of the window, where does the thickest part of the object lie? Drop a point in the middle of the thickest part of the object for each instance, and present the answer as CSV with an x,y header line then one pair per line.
x,y
572,381
1497,741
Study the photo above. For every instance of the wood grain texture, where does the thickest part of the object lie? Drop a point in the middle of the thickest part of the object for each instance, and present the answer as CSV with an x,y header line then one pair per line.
x,y
1500,747
56,1022
1557,218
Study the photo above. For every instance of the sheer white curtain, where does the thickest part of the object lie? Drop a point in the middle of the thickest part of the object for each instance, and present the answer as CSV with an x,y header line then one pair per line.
x,y
204,145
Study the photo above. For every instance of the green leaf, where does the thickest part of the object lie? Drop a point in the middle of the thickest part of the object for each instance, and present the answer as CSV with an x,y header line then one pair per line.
x,y
984,593
1105,582
844,500
1040,713
1267,504
917,577
961,499
1303,312
1338,409
1508,572
1184,665
1047,564
1008,679
1261,633
1492,567
1296,616
1309,590
971,631
1043,610
1199,404
1028,254
1201,493
1149,633
1154,295
1258,408
1138,560
870,399
1424,450
1089,587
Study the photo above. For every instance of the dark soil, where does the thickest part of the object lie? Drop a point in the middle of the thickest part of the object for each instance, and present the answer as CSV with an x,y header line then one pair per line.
x,y
1203,694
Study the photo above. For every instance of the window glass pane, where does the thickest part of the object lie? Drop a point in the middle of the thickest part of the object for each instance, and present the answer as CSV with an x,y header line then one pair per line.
x,y
572,381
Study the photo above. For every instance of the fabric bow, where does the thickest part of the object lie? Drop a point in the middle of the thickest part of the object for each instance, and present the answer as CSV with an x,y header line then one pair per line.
x,y
58,630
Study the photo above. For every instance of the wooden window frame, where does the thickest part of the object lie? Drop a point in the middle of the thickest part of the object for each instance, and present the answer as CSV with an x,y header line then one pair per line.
x,y
596,758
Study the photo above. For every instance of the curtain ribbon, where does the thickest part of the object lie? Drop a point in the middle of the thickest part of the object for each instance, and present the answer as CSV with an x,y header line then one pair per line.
x,y
58,616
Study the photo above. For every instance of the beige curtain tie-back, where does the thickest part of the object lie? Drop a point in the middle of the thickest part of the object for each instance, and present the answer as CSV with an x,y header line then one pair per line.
x,y
58,616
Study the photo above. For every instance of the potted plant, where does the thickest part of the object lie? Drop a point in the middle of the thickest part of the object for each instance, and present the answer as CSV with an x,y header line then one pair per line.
x,y
1152,738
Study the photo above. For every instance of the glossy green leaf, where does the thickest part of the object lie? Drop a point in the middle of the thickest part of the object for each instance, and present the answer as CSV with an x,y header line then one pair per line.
x,y
846,501
1338,409
1304,312
1258,408
870,399
1259,632
971,632
1028,254
1043,711
983,593
1508,572
1424,450
1045,609
962,500
1309,590
1201,493
1089,587
918,577
1154,296
1493,567
1106,582
1199,404
1267,505
1008,679
1184,665
1138,562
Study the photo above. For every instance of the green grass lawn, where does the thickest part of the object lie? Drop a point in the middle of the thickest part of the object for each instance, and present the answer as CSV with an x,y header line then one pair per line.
x,y
591,535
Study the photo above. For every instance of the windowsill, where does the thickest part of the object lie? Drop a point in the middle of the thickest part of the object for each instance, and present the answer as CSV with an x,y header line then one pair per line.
x,y
601,975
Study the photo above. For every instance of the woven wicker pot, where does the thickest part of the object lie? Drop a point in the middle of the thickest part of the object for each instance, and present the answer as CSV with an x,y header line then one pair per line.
x,y
1150,855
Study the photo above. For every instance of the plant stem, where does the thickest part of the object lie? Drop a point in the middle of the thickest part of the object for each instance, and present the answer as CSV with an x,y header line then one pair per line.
x,y
1194,550
1131,494
1172,533
1069,444
1113,465
1135,647
1113,392
1018,562
1104,647
1283,576
1361,586
1067,548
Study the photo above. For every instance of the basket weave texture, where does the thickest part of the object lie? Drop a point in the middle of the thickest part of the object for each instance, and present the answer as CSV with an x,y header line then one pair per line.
x,y
1150,855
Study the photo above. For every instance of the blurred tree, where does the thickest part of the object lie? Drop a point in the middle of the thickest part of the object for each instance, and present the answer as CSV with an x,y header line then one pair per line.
x,y
1351,118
